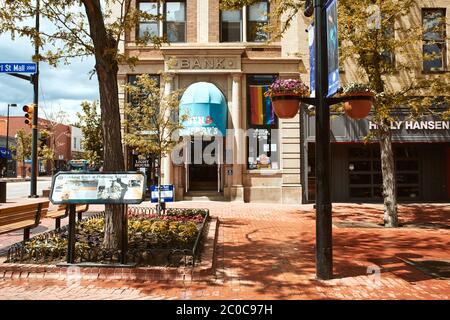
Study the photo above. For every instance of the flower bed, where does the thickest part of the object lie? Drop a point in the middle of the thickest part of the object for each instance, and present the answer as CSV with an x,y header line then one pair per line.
x,y
171,240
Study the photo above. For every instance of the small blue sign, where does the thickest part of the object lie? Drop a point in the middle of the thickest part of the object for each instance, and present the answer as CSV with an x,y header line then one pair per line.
x,y
167,193
4,154
11,67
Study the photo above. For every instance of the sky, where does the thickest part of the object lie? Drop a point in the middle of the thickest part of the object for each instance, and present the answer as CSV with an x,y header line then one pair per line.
x,y
64,87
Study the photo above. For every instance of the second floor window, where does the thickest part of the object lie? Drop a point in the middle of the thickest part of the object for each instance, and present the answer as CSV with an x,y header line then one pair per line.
x,y
175,21
245,25
258,18
149,27
231,26
173,24
434,45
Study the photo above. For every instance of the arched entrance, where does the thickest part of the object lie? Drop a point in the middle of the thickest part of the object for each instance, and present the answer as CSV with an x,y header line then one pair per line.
x,y
205,107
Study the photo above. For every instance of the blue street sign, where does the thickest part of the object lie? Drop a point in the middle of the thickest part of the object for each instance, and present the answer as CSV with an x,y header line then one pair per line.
x,y
4,154
11,67
333,47
167,193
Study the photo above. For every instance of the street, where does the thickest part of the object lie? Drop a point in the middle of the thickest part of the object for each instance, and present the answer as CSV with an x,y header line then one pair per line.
x,y
22,189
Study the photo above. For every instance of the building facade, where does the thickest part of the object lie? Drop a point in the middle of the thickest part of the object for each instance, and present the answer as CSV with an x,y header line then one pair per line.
x,y
225,55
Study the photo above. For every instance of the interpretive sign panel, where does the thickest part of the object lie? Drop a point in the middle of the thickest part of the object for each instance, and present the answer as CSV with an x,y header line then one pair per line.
x,y
98,188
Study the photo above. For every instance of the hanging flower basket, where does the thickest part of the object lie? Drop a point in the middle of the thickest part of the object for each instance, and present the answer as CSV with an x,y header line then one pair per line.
x,y
285,95
358,109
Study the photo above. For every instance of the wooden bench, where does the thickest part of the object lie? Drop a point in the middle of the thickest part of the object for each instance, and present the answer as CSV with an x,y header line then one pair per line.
x,y
22,216
63,211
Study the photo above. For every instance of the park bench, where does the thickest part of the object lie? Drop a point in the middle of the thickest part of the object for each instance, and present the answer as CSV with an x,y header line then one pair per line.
x,y
63,211
22,216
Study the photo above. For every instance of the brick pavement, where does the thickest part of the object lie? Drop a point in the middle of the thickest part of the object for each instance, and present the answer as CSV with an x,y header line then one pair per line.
x,y
267,252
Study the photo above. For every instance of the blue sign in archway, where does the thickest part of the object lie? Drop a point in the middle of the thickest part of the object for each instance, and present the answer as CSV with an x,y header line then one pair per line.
x,y
206,109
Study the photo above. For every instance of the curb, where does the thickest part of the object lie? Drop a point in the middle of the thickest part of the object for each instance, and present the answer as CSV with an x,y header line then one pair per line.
x,y
205,268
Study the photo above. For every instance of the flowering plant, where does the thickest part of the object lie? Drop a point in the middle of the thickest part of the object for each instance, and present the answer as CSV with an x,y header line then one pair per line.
x,y
355,87
288,86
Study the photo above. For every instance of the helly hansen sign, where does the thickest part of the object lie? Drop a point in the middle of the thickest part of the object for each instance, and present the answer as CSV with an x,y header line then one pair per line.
x,y
415,125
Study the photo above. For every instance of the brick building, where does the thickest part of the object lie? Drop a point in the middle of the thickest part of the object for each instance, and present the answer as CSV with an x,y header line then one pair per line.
x,y
224,55
60,140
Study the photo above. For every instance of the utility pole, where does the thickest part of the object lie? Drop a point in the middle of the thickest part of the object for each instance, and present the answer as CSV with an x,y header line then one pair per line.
x,y
34,138
324,247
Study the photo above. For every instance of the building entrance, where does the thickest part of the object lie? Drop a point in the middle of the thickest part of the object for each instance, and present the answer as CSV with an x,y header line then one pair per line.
x,y
203,168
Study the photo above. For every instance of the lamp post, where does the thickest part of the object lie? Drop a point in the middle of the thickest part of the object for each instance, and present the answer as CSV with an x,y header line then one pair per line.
x,y
7,136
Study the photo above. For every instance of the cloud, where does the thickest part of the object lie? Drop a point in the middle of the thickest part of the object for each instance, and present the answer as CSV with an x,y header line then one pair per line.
x,y
65,86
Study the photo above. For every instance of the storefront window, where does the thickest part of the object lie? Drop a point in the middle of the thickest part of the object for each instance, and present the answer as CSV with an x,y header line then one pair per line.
x,y
257,19
175,21
434,43
231,26
148,27
365,177
262,134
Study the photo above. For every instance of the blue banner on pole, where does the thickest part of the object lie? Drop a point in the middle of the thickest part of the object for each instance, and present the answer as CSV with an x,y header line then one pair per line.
x,y
167,193
312,60
12,67
333,47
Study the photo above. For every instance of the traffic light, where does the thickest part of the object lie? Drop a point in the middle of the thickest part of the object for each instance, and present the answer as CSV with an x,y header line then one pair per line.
x,y
28,109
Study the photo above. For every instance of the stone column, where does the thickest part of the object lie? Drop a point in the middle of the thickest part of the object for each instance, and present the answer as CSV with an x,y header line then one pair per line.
x,y
237,188
167,167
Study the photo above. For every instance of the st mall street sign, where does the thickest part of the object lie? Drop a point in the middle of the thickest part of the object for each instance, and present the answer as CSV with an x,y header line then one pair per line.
x,y
11,67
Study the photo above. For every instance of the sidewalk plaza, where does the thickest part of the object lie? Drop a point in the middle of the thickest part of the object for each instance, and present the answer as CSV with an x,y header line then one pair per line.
x,y
267,252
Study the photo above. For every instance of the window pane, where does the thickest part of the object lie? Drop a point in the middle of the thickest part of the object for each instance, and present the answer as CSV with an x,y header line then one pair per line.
x,y
261,111
258,12
231,15
433,57
262,149
175,11
176,31
149,7
361,192
148,28
231,32
255,32
434,24
360,179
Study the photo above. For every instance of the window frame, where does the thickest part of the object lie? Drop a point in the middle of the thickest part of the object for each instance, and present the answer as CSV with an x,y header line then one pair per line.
x,y
443,42
164,28
249,82
241,34
138,2
247,9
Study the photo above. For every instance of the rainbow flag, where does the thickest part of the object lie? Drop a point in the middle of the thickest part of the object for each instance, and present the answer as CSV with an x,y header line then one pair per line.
x,y
261,107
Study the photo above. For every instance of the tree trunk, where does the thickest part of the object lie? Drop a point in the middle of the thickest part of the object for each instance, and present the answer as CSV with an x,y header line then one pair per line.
x,y
106,67
389,183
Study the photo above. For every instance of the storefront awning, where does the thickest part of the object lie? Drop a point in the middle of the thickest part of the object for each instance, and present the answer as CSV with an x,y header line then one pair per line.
x,y
206,110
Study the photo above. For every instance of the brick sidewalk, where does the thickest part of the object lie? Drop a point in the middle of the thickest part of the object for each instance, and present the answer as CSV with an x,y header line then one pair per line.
x,y
267,252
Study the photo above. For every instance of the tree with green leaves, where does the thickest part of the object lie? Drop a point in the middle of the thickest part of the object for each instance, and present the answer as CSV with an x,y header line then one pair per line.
x,y
22,149
152,121
90,125
381,44
87,28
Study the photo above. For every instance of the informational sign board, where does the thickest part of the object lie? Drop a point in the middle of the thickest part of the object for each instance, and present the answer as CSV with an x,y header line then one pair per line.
x,y
98,188
333,47
167,193
11,67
